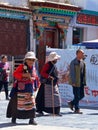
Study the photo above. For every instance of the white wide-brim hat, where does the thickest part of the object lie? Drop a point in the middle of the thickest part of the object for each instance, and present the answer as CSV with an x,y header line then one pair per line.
x,y
30,55
53,56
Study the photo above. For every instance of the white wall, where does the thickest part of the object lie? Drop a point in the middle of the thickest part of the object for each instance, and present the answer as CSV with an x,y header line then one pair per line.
x,y
69,36
92,33
17,3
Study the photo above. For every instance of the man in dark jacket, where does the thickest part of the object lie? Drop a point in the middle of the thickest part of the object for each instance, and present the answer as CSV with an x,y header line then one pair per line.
x,y
77,80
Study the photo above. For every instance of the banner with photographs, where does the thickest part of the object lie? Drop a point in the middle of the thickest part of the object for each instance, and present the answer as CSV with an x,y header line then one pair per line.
x,y
91,90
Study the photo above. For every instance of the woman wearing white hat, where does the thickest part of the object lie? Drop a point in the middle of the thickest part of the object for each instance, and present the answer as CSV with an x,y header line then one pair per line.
x,y
22,102
48,97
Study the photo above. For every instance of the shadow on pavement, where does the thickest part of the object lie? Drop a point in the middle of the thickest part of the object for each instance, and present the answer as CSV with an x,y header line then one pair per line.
x,y
63,113
3,125
92,114
41,115
7,125
50,115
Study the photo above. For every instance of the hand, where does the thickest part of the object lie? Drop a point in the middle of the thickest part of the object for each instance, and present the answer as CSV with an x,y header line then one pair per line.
x,y
26,75
33,78
7,71
85,86
73,85
51,77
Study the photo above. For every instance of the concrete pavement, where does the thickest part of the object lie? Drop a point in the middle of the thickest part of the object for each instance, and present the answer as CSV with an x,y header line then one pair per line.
x,y
38,127
86,121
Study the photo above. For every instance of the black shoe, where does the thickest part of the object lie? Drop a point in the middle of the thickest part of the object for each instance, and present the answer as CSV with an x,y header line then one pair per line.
x,y
13,120
32,122
70,105
78,112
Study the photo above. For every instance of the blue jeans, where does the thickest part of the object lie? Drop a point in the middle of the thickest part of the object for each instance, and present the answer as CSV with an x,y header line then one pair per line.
x,y
78,95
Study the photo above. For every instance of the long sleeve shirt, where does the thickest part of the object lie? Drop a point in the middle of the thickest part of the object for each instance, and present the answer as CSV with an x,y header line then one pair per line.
x,y
18,74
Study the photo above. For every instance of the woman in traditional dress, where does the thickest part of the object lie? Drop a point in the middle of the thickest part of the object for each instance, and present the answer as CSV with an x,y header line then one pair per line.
x,y
22,102
48,96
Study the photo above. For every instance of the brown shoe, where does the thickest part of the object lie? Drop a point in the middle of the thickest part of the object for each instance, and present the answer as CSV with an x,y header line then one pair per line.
x,y
78,112
70,106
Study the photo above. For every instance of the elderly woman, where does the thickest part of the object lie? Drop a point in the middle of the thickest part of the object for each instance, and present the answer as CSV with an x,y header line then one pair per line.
x,y
48,97
22,102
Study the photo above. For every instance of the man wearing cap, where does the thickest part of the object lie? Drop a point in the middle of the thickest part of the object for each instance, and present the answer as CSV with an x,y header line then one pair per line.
x,y
48,97
77,80
22,103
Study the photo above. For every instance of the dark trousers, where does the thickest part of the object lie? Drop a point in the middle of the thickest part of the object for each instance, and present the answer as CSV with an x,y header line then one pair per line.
x,y
5,84
78,95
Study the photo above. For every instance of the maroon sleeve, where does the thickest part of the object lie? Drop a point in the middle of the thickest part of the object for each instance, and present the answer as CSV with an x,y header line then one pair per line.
x,y
44,70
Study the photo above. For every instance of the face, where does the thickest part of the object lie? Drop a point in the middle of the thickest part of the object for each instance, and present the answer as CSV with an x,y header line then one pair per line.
x,y
30,62
4,59
80,55
54,62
